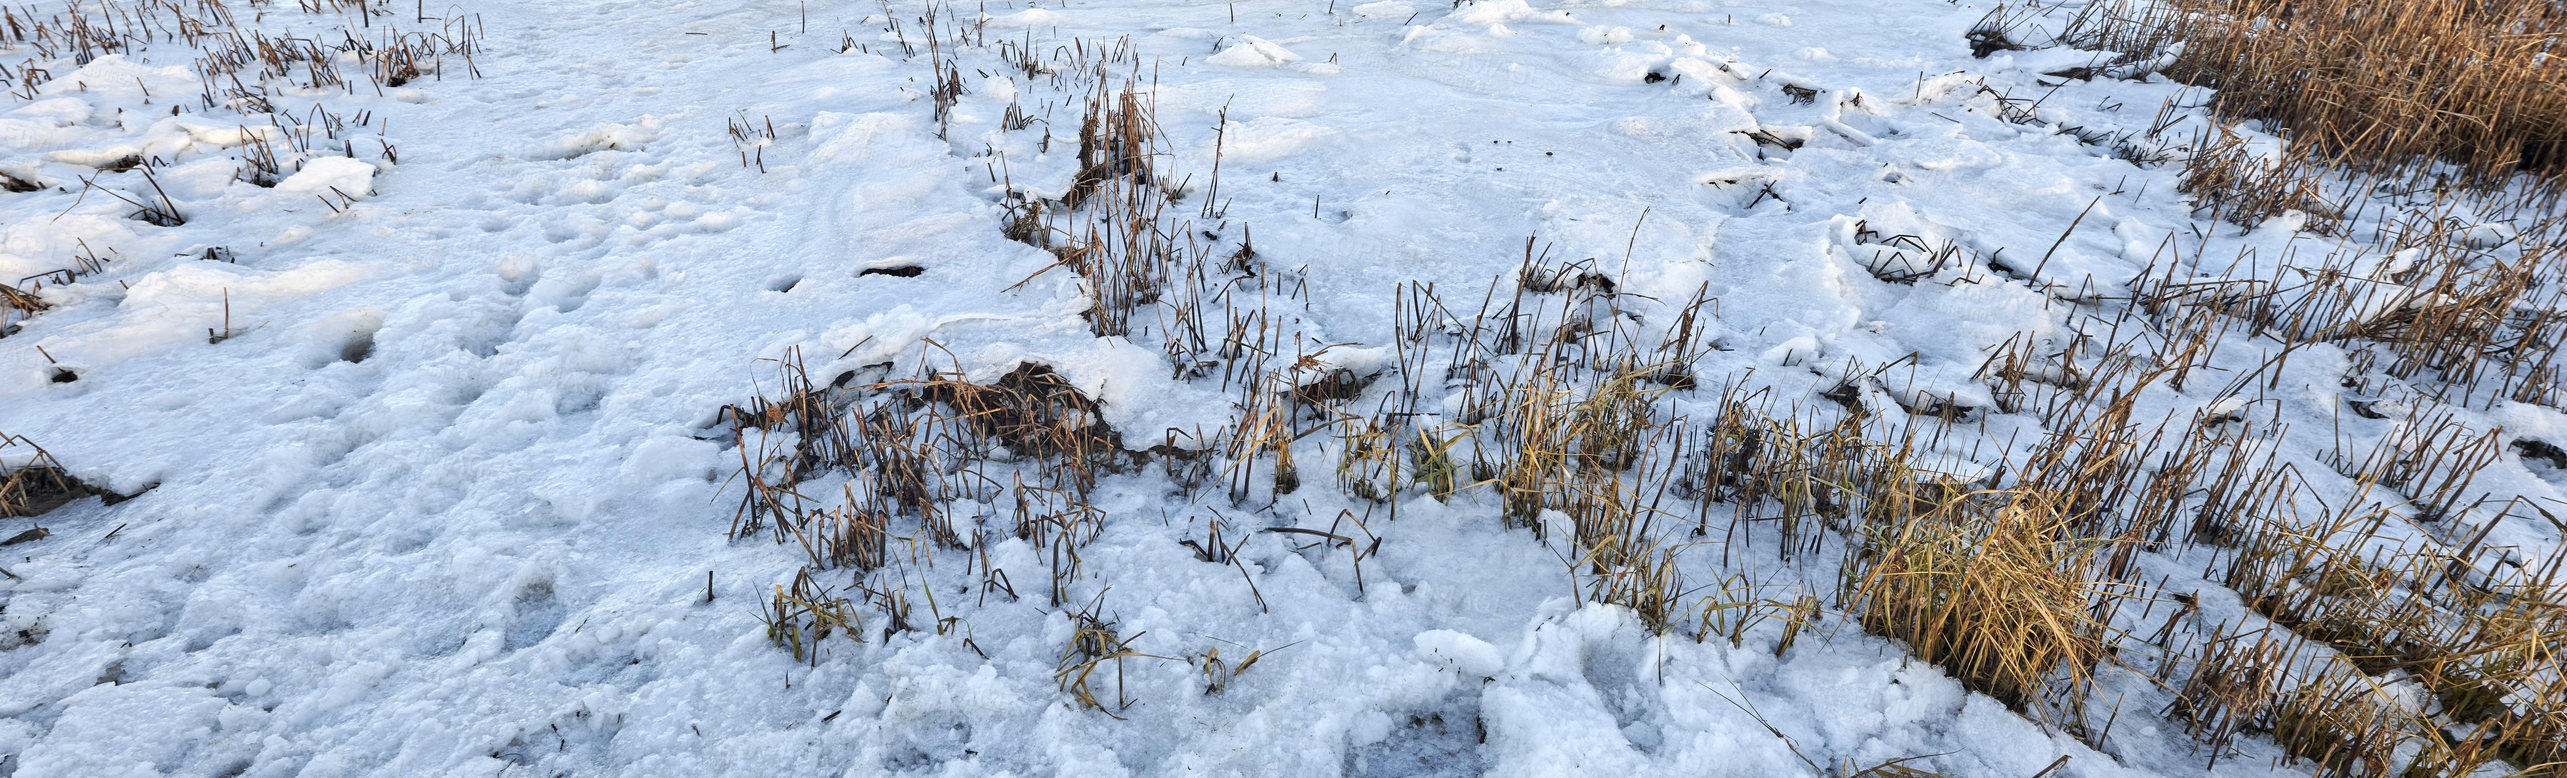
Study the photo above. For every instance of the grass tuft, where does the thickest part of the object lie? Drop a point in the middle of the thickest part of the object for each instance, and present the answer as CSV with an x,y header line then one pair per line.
x,y
1991,586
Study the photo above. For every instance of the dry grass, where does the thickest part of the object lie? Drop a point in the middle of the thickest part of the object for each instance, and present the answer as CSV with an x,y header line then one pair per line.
x,y
277,88
2231,181
1993,587
2485,650
33,483
2429,459
245,68
2437,299
15,306
1113,226
2232,684
2013,582
1093,644
2342,720
800,619
2380,83
1739,608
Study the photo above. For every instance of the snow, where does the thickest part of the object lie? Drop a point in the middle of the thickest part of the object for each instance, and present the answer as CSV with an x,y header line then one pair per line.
x,y
431,477
1386,9
1252,52
344,175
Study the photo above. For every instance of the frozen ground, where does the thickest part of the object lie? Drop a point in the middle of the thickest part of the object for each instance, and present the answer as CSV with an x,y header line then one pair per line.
x,y
433,478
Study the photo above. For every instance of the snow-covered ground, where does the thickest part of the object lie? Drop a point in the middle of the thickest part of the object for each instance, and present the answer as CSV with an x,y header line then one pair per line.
x,y
434,474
